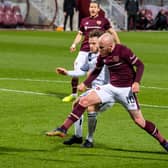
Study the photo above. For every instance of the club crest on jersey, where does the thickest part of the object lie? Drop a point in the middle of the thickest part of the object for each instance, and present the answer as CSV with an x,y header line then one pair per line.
x,y
97,88
98,22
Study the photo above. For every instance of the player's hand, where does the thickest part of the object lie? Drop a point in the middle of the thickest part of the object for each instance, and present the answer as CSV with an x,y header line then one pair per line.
x,y
73,48
135,87
82,87
61,71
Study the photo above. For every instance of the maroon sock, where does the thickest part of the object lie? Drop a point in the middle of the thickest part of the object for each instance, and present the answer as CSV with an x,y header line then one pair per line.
x,y
152,130
77,112
74,84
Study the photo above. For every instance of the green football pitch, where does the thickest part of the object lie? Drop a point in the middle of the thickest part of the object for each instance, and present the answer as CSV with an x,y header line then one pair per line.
x,y
31,94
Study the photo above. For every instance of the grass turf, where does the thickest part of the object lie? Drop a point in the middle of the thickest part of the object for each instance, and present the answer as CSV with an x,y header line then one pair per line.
x,y
31,104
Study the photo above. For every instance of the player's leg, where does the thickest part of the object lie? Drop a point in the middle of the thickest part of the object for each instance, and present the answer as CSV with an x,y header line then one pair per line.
x,y
73,95
91,99
129,100
92,121
128,22
134,19
77,137
98,95
71,22
78,63
105,97
149,127
65,21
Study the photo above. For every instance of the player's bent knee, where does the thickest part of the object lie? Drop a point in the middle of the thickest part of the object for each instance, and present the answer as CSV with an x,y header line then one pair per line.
x,y
84,101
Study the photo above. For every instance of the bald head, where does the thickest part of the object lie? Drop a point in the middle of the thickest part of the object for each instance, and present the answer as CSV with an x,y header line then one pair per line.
x,y
106,39
106,44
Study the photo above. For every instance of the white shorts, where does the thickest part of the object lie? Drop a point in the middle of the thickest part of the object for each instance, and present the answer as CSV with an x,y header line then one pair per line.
x,y
122,95
102,106
80,60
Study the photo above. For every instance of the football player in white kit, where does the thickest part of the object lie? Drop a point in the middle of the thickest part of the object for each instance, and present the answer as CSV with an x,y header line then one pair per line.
x,y
94,21
102,79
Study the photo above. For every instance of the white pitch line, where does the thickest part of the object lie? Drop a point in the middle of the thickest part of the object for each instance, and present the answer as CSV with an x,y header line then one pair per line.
x,y
26,92
34,80
62,81
154,106
153,87
45,94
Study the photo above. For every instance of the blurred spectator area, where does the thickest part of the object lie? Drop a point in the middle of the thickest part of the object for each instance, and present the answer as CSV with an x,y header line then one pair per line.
x,y
41,13
147,2
10,15
49,13
27,13
147,15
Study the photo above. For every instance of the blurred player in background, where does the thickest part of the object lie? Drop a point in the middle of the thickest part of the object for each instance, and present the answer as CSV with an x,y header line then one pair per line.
x,y
83,9
94,21
132,8
102,79
68,7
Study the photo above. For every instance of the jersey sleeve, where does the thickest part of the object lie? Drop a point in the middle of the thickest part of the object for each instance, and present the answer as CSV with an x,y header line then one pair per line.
x,y
81,27
134,61
76,73
107,24
85,67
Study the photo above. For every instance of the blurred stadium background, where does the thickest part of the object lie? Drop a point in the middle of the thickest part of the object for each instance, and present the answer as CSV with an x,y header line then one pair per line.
x,y
49,13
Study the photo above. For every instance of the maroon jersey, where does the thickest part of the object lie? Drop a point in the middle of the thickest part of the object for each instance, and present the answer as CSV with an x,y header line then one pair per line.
x,y
120,62
88,24
83,8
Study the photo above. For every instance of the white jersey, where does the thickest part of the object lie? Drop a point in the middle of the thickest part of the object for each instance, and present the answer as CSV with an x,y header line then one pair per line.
x,y
103,77
90,64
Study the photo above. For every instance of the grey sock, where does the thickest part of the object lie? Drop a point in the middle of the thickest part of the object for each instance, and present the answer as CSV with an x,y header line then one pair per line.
x,y
92,120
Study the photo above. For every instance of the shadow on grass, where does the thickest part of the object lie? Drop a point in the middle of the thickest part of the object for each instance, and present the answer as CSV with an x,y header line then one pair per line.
x,y
56,94
14,151
102,146
11,149
119,156
124,154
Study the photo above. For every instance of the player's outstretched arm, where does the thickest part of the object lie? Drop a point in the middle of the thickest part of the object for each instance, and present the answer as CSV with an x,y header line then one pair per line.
x,y
61,71
77,40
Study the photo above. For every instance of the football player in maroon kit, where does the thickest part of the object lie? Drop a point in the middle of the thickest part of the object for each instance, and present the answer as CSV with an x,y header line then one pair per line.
x,y
83,8
126,71
94,21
